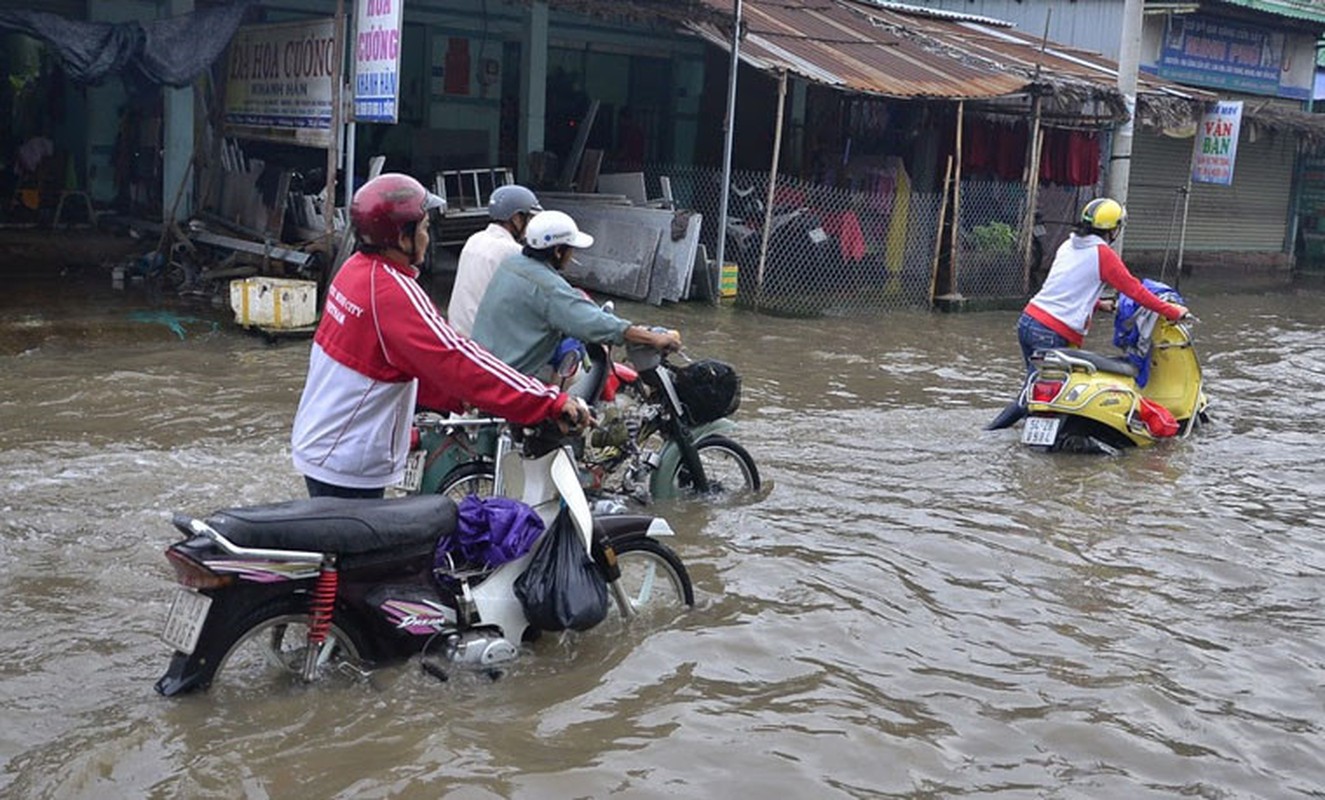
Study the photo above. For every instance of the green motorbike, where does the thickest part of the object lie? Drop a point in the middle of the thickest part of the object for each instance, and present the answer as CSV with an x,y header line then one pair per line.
x,y
663,432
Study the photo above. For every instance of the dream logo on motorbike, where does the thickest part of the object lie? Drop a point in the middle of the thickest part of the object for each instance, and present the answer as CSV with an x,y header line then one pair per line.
x,y
418,617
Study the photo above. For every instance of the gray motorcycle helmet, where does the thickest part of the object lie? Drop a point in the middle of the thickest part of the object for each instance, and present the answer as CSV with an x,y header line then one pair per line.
x,y
507,201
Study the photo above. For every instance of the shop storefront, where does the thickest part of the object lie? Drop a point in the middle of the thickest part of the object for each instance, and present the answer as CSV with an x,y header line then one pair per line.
x,y
1251,215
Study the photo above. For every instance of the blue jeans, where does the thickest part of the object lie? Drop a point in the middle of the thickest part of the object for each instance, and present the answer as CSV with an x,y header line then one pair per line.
x,y
1034,335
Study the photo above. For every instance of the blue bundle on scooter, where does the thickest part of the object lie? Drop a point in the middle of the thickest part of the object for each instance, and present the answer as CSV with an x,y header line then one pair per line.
x,y
1133,325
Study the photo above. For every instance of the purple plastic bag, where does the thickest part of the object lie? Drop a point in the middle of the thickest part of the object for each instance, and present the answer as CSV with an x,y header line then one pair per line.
x,y
490,532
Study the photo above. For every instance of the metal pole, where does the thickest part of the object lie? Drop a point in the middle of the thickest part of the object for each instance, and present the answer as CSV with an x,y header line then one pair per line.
x,y
333,146
351,26
772,185
1129,56
349,159
730,123
1186,202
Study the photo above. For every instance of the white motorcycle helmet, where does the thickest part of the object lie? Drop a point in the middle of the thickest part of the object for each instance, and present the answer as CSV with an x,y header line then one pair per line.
x,y
551,228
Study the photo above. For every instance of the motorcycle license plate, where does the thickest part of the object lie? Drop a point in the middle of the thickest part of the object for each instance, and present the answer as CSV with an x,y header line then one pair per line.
x,y
184,622
1040,430
414,471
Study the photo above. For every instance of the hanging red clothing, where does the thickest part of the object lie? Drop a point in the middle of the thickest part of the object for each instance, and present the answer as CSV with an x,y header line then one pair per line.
x,y
1083,159
845,226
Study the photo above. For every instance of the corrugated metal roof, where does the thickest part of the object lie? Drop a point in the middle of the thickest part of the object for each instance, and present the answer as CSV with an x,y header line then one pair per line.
x,y
1294,9
897,50
1025,53
937,13
830,43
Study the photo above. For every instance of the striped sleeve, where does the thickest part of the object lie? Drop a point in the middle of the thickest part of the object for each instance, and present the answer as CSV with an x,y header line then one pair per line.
x,y
1116,274
453,371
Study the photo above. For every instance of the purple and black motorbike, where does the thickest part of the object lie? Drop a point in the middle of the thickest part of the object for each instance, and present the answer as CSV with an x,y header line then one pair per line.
x,y
327,587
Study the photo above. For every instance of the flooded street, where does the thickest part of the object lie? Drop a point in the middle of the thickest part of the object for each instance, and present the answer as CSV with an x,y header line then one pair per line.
x,y
917,608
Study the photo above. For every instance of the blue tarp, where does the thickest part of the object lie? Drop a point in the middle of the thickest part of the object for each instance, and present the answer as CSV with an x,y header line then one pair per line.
x,y
1133,324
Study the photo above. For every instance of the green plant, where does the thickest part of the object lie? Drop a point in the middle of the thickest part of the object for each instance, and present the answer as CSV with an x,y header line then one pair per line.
x,y
994,237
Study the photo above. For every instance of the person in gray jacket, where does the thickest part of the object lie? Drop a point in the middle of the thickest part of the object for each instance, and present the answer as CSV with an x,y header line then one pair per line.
x,y
510,208
529,307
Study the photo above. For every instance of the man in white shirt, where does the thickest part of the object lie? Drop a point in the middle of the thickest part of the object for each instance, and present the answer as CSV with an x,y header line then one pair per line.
x,y
510,208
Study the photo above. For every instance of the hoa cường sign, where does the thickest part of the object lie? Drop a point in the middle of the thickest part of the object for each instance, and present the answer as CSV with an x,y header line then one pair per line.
x,y
1217,144
377,60
279,82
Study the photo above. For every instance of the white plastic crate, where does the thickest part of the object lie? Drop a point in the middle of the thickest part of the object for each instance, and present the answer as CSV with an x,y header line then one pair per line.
x,y
274,302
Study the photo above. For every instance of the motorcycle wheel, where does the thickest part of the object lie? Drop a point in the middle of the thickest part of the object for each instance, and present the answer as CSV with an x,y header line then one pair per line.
x,y
653,579
466,479
729,468
270,643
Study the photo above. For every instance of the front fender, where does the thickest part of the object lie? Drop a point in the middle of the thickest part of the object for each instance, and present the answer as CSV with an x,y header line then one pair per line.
x,y
448,450
619,527
661,486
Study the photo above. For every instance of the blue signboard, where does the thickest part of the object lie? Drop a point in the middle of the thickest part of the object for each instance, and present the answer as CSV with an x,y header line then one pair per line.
x,y
1204,51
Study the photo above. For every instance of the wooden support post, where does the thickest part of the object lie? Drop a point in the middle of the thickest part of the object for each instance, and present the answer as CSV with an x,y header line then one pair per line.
x,y
772,187
938,234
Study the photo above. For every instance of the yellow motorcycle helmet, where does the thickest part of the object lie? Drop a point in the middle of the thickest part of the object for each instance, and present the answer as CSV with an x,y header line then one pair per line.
x,y
1103,214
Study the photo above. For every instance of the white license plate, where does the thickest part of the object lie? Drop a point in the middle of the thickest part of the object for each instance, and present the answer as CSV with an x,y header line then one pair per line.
x,y
184,622
414,471
1040,430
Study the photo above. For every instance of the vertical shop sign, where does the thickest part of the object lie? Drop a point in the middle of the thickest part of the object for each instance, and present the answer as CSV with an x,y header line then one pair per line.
x,y
377,25
279,82
1217,144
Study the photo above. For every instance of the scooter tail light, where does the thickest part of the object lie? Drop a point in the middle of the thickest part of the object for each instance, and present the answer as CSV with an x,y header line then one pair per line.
x,y
1045,391
194,575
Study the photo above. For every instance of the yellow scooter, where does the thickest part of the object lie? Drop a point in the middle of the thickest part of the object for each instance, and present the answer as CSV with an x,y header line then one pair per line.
x,y
1084,402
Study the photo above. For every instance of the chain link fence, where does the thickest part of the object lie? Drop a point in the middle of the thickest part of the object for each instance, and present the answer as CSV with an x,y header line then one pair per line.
x,y
990,257
837,251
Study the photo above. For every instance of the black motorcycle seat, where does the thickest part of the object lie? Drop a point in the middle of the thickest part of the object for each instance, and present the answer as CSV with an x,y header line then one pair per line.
x,y
1103,363
339,525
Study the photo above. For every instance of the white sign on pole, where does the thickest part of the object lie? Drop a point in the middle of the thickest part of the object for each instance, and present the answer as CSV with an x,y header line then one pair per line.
x,y
377,60
1217,144
278,84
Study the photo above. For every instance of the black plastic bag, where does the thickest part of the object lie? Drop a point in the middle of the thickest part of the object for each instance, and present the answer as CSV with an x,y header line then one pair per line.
x,y
563,587
709,390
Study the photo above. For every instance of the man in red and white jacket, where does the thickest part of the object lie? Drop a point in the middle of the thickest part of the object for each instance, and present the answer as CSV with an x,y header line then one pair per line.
x,y
382,346
1059,314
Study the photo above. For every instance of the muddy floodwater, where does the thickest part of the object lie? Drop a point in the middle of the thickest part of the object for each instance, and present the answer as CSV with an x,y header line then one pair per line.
x,y
917,608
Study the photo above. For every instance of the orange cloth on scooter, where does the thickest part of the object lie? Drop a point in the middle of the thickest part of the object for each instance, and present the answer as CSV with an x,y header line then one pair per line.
x,y
1157,418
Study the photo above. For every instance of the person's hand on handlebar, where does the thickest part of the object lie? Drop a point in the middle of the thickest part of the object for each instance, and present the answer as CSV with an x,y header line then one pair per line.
x,y
574,416
668,341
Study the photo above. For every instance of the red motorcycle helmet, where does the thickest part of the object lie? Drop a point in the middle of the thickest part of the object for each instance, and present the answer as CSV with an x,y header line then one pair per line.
x,y
383,206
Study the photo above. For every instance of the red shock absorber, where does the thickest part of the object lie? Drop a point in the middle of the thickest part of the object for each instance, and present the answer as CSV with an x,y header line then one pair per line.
x,y
324,603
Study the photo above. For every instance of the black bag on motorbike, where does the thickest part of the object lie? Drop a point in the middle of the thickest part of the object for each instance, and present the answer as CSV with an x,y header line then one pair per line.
x,y
563,587
709,390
